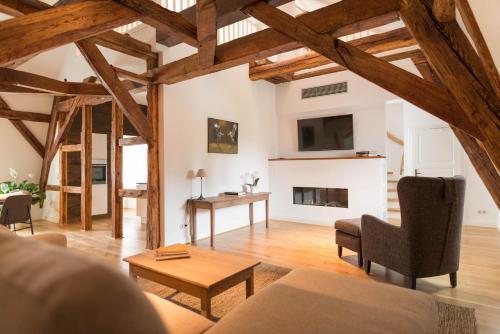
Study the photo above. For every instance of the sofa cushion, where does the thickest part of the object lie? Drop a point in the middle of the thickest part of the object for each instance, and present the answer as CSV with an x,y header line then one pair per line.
x,y
176,318
47,289
4,229
56,239
349,226
314,301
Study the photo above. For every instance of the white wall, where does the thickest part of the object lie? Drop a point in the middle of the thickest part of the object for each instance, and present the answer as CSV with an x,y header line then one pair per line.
x,y
17,153
364,100
227,95
364,178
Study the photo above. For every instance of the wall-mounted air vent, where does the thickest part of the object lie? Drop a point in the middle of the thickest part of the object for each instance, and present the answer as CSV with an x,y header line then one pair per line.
x,y
336,88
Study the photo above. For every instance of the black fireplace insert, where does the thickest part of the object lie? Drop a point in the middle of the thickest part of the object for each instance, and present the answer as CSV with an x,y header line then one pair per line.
x,y
332,197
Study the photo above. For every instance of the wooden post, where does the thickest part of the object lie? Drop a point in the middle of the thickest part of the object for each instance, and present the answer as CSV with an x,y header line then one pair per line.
x,y
49,141
86,165
116,171
63,177
153,229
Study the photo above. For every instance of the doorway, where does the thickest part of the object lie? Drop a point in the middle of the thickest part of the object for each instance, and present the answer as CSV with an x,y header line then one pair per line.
x,y
435,152
135,176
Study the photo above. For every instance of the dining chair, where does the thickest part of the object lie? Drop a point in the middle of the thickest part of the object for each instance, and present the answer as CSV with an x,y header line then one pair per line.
x,y
17,210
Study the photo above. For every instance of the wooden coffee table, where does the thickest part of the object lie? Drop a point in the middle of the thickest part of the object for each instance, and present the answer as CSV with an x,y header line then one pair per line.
x,y
205,274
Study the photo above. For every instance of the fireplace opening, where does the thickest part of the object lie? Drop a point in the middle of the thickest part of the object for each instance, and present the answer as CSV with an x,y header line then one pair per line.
x,y
332,197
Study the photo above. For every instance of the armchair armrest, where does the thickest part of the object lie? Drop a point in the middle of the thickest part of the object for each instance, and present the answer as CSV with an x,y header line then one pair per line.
x,y
55,239
381,242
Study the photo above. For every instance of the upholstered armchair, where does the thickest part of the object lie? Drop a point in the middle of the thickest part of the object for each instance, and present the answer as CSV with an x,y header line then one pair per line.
x,y
428,242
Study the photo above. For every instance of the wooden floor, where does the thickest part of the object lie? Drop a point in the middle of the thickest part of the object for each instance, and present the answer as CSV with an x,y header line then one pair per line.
x,y
298,245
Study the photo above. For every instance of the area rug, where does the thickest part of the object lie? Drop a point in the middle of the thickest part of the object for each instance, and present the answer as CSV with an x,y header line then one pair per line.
x,y
452,318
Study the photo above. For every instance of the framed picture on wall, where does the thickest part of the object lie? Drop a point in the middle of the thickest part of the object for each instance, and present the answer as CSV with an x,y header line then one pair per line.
x,y
222,136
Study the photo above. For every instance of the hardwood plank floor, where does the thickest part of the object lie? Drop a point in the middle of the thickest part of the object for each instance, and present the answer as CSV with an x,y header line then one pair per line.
x,y
295,245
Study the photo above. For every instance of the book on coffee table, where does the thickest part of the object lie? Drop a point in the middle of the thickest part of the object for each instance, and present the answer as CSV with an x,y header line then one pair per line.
x,y
172,257
177,251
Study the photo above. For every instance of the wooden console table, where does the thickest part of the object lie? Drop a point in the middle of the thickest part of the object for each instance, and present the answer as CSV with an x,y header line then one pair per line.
x,y
219,202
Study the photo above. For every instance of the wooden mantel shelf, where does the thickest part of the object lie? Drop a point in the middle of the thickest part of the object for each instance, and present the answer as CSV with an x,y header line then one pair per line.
x,y
327,158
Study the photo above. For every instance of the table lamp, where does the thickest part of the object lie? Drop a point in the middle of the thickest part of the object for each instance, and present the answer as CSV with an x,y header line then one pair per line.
x,y
201,174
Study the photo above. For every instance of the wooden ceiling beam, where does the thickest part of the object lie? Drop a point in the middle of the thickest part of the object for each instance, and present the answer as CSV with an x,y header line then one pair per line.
x,y
391,40
389,58
408,86
65,126
17,8
455,76
228,12
124,44
444,10
462,46
131,86
8,88
124,74
206,19
109,39
49,141
65,105
116,88
339,19
477,37
34,81
164,20
24,115
40,31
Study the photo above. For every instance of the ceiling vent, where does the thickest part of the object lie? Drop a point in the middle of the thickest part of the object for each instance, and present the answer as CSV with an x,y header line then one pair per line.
x,y
336,88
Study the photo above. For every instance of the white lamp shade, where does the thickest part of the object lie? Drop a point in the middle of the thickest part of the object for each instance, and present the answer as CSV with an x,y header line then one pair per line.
x,y
202,173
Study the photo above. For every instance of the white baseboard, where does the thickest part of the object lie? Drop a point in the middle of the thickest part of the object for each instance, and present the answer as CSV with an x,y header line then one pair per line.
x,y
474,221
303,221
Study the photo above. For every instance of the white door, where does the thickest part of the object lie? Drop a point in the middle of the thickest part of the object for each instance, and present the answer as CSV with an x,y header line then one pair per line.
x,y
434,152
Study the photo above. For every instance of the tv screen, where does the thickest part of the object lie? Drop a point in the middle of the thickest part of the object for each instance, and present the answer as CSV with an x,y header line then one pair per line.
x,y
326,133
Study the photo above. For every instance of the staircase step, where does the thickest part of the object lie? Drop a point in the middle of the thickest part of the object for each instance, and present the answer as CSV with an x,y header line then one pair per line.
x,y
393,210
393,200
392,190
390,173
392,181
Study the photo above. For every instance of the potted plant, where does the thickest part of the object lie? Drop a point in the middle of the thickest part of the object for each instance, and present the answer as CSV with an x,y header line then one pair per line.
x,y
8,187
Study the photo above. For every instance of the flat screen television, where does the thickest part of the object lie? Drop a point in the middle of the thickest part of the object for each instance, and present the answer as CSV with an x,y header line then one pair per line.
x,y
326,133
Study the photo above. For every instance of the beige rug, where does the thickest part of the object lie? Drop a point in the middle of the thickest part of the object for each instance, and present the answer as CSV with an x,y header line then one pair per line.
x,y
452,318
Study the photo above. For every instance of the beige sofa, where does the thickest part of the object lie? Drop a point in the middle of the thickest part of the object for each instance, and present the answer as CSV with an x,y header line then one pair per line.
x,y
46,289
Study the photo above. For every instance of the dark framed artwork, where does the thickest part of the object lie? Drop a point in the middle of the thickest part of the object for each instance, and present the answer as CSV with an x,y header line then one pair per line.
x,y
222,136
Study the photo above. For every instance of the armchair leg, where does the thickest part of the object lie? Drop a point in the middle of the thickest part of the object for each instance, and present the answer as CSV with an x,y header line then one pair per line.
x,y
453,280
339,250
360,260
412,282
367,264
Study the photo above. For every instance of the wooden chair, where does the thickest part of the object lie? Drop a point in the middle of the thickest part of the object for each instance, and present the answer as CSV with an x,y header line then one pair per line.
x,y
17,210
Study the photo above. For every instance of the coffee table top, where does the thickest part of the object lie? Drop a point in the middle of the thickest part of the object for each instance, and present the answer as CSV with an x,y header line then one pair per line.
x,y
204,268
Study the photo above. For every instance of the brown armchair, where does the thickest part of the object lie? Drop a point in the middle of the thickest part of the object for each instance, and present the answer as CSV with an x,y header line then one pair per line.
x,y
428,241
